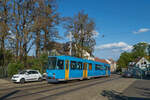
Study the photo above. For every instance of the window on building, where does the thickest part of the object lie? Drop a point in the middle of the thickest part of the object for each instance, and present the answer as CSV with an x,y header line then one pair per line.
x,y
60,64
90,66
141,63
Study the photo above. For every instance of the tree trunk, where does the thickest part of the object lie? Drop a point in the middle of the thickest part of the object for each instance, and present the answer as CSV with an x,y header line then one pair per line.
x,y
37,44
45,41
25,50
17,43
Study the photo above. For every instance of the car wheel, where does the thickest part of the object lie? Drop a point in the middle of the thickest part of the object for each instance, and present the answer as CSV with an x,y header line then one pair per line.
x,y
22,81
40,79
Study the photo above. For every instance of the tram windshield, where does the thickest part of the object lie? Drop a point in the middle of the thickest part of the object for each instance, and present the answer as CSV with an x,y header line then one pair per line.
x,y
55,63
52,62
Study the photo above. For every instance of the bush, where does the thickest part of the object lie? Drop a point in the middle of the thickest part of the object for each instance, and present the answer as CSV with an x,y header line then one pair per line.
x,y
39,63
36,65
14,68
1,72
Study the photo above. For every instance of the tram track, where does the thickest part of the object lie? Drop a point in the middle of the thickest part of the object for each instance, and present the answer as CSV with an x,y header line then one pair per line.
x,y
74,86
27,86
74,89
22,86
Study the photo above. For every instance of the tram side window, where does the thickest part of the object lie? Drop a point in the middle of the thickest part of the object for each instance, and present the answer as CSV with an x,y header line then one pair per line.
x,y
98,67
73,65
107,67
102,68
79,65
60,64
90,66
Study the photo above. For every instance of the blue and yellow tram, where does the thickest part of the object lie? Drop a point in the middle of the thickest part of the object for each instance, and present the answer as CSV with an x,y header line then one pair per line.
x,y
62,68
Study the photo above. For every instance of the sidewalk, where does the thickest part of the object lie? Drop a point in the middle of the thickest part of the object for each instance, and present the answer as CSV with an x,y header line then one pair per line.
x,y
139,90
4,81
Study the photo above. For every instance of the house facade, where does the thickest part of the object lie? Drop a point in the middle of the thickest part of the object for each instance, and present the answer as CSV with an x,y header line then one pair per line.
x,y
113,64
142,63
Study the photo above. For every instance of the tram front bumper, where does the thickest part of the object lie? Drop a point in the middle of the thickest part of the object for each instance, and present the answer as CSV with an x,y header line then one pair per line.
x,y
51,80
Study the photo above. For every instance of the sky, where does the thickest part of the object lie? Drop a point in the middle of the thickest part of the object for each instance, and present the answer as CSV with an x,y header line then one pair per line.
x,y
119,23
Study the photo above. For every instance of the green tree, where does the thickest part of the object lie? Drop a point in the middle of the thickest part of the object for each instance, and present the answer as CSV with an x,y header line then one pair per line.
x,y
148,50
139,50
4,65
124,59
14,68
39,63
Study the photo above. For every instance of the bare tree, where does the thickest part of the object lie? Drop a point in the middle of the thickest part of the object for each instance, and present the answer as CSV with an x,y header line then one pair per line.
x,y
4,30
82,27
21,27
45,21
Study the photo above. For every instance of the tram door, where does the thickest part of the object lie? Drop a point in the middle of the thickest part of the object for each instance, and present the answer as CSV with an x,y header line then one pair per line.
x,y
67,70
85,70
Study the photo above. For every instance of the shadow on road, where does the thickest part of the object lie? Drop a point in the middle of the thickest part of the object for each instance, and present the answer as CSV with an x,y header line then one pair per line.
x,y
145,91
146,78
9,94
113,95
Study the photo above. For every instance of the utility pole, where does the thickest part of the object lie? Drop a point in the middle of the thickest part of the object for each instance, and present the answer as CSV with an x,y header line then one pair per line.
x,y
70,37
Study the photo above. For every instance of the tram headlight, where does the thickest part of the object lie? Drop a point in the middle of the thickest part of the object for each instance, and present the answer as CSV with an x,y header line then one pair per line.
x,y
53,75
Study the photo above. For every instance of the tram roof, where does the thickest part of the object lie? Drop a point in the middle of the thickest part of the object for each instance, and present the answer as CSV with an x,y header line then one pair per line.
x,y
78,59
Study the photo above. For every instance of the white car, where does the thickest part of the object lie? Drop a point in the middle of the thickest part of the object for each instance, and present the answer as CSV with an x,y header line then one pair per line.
x,y
27,75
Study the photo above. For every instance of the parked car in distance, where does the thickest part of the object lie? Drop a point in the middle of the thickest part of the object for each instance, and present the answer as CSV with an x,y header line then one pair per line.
x,y
118,73
27,75
127,74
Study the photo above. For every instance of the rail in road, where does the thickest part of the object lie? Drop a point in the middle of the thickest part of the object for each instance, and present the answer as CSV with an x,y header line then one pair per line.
x,y
22,85
34,85
71,86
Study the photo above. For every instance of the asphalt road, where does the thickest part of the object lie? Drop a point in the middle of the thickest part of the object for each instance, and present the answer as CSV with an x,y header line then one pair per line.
x,y
75,90
138,90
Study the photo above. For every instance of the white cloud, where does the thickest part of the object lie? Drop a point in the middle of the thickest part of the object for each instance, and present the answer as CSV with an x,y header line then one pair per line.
x,y
141,30
120,46
111,50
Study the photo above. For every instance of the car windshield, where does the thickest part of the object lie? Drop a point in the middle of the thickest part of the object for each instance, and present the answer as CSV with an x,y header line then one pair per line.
x,y
22,72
